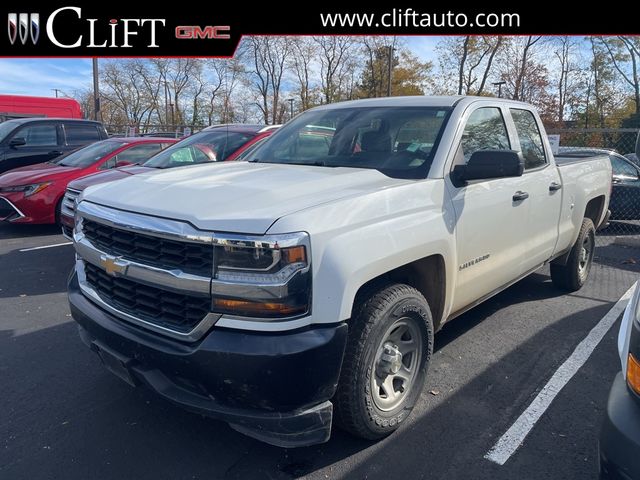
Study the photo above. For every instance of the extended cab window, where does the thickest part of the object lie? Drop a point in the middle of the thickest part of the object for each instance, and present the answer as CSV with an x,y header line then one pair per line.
x,y
530,138
485,130
79,134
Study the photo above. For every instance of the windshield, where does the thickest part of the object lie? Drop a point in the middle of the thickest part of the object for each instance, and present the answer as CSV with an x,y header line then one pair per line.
x,y
87,156
5,129
207,146
398,141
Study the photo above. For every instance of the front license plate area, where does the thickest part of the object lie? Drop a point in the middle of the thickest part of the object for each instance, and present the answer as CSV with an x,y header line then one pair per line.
x,y
116,364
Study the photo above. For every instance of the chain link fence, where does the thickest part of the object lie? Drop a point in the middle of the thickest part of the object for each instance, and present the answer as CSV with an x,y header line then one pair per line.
x,y
617,244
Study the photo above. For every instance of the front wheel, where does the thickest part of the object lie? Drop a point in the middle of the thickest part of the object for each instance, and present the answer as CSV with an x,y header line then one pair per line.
x,y
573,275
385,363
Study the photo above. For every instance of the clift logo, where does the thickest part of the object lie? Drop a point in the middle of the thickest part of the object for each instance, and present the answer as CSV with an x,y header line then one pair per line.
x,y
67,28
91,32
23,27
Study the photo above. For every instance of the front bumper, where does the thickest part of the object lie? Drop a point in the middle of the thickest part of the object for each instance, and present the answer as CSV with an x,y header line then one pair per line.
x,y
16,208
67,224
620,436
274,387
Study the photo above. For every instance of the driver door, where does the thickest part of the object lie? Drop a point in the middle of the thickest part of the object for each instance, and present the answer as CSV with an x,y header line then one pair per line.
x,y
490,227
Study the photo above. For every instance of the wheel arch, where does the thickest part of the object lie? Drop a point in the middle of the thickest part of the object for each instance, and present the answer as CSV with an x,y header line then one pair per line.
x,y
427,275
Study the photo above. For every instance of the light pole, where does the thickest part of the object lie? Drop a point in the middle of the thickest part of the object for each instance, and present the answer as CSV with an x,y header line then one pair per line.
x,y
390,65
499,85
290,100
96,91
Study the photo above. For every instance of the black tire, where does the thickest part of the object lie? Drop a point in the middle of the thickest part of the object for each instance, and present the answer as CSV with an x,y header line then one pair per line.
x,y
58,213
573,275
355,401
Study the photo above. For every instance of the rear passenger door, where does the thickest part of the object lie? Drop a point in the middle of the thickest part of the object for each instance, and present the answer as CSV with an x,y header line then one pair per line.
x,y
541,181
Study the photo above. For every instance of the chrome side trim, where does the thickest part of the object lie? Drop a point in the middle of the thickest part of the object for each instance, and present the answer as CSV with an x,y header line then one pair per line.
x,y
198,331
20,214
174,280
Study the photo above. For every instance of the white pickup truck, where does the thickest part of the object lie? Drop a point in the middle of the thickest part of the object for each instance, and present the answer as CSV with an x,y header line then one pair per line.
x,y
313,277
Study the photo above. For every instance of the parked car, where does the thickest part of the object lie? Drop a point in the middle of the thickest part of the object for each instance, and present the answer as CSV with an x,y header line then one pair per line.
x,y
311,279
625,195
21,106
216,143
28,141
619,443
34,194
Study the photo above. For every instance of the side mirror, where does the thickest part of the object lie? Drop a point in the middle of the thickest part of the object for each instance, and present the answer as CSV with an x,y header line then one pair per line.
x,y
485,164
122,163
17,142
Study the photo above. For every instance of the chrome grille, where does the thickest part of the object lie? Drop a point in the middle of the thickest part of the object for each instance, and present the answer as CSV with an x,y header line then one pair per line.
x,y
193,258
178,312
69,202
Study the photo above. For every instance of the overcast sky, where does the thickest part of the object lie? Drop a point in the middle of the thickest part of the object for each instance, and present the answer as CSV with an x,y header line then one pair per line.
x,y
40,76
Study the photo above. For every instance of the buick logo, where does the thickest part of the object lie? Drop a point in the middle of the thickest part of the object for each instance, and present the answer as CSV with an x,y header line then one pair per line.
x,y
23,26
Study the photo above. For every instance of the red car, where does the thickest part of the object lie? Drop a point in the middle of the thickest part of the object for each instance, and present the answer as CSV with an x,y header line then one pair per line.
x,y
213,144
33,194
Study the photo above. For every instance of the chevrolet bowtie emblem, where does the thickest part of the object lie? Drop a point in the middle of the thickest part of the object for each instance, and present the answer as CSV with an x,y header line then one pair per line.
x,y
114,266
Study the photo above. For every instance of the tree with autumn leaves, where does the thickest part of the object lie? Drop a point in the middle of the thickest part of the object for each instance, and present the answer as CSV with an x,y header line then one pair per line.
x,y
574,81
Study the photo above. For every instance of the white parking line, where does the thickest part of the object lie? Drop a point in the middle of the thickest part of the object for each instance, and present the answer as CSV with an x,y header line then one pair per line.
x,y
45,246
513,438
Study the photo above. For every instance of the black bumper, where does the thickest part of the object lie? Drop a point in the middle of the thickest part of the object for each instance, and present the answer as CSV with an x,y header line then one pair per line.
x,y
274,387
620,436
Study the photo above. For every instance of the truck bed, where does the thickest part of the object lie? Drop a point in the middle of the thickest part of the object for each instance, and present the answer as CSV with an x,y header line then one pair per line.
x,y
576,157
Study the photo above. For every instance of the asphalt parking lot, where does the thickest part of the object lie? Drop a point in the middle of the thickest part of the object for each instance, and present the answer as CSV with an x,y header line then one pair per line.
x,y
64,416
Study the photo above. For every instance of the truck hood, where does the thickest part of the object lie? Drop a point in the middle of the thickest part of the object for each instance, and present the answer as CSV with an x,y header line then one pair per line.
x,y
41,172
238,197
107,176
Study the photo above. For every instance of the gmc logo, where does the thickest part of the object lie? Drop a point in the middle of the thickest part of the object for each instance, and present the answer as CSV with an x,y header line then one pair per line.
x,y
194,32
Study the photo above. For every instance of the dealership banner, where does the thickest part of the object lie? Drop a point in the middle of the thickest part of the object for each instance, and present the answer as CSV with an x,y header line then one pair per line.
x,y
190,29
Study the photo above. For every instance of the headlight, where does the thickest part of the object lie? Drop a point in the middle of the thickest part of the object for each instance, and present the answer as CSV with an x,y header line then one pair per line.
x,y
27,189
267,278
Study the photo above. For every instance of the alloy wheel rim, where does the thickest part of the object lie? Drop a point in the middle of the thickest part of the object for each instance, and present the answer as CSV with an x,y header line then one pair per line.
x,y
396,364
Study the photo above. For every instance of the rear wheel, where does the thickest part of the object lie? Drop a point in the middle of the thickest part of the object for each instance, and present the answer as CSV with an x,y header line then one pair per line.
x,y
573,275
385,363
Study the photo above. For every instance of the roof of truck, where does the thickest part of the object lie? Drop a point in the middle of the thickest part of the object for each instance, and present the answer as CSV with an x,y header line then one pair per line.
x,y
415,101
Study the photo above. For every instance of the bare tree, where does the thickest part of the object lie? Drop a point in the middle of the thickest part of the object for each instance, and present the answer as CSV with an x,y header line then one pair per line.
x,y
568,81
267,61
624,53
336,64
304,53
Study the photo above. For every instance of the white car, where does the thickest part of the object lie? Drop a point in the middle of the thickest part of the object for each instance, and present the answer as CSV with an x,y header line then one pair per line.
x,y
313,277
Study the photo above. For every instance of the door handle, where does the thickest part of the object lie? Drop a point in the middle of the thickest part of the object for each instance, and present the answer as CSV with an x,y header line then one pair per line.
x,y
55,152
616,180
555,186
519,196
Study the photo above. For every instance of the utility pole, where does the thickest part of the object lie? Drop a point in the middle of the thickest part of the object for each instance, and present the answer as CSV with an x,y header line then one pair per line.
x,y
97,114
390,62
499,85
290,100
56,90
